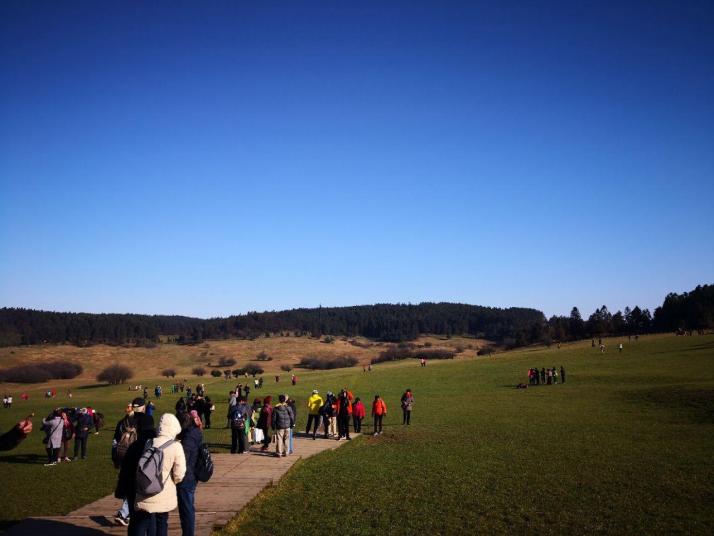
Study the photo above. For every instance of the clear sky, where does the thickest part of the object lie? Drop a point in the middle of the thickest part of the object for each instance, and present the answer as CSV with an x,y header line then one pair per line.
x,y
209,158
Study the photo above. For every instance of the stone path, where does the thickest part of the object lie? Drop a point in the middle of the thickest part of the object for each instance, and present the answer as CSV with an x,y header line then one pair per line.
x,y
236,480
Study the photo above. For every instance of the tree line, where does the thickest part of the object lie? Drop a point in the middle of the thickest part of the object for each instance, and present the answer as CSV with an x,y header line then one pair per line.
x,y
387,322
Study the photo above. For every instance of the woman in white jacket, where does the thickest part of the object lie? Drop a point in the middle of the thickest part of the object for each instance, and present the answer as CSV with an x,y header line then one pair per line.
x,y
173,471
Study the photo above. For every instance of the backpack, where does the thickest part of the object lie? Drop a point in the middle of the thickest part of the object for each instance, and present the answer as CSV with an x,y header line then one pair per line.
x,y
238,419
204,464
148,473
128,436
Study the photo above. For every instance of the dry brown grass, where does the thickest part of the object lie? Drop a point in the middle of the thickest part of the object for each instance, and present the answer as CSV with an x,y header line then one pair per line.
x,y
149,362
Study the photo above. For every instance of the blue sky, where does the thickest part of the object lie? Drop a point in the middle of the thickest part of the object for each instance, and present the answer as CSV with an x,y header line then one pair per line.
x,y
184,158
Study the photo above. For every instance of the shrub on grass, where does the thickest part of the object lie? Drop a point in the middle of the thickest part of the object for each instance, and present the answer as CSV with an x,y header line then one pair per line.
x,y
198,371
226,362
115,374
262,356
286,367
169,373
324,363
434,354
41,372
216,373
329,339
393,353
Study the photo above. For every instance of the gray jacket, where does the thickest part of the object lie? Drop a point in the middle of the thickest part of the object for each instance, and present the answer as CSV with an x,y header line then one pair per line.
x,y
54,427
283,417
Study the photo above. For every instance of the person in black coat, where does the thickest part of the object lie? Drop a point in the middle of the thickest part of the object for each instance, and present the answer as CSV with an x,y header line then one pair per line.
x,y
82,429
191,439
126,483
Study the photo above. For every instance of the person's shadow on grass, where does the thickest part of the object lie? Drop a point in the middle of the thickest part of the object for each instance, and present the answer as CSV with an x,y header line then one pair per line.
x,y
31,459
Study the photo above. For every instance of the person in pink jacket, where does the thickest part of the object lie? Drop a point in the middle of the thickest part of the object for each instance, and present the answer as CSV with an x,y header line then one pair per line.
x,y
358,413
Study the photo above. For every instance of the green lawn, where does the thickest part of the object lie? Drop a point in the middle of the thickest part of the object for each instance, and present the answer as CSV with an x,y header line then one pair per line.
x,y
624,446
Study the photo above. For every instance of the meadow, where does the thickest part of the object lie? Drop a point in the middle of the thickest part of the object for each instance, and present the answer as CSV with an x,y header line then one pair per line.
x,y
623,446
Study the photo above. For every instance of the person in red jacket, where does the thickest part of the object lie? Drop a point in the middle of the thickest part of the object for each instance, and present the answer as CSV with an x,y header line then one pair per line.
x,y
358,413
344,411
379,410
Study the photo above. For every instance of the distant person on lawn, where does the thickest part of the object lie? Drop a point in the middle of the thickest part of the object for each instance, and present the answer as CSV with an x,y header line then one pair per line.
x,y
379,410
53,426
283,420
82,429
407,404
314,403
562,374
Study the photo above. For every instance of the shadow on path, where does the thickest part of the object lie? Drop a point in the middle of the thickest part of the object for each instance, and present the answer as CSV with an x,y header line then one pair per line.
x,y
34,527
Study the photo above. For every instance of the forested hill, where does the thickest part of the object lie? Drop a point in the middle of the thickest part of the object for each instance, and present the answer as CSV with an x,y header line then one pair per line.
x,y
382,321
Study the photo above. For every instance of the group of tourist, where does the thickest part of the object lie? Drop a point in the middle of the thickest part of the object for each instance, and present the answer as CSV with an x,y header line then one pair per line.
x,y
6,401
545,376
65,424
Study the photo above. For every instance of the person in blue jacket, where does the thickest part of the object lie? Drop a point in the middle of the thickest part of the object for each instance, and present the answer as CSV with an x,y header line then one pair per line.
x,y
191,438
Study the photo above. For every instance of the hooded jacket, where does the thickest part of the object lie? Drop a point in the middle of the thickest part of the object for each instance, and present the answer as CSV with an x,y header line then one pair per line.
x,y
283,417
314,403
173,469
379,407
358,410
54,426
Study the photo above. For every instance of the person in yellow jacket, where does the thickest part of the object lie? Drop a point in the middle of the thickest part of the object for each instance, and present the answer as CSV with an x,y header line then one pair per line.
x,y
314,403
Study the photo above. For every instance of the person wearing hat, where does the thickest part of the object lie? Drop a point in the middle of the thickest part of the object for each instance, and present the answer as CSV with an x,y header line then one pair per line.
x,y
314,403
82,429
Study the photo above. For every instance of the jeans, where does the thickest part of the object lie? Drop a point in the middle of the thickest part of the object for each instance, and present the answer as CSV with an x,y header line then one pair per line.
x,y
310,420
124,510
141,523
357,421
378,423
80,441
407,416
237,441
187,511
52,454
343,423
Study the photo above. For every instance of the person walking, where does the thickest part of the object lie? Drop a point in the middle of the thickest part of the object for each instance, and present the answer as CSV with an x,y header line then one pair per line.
x,y
358,413
379,410
154,509
562,374
82,429
344,412
53,427
407,404
265,421
191,439
282,420
314,403
239,417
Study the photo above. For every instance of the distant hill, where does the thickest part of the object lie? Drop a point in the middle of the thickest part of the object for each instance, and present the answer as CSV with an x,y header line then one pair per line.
x,y
387,322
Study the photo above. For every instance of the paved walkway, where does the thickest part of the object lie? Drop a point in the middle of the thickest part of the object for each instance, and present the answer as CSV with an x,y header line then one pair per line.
x,y
236,480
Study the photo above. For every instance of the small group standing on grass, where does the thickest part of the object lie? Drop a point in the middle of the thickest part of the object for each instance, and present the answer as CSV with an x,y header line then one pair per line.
x,y
65,424
545,376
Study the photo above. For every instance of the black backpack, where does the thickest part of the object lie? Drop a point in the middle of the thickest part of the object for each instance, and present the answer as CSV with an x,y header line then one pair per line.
x,y
204,464
238,418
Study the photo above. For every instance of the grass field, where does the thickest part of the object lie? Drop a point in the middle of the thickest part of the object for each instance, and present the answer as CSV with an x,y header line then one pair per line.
x,y
624,446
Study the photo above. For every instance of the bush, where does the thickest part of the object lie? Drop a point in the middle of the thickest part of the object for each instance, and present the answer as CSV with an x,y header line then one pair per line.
x,y
41,372
216,373
329,339
262,356
198,371
393,353
427,344
459,348
435,354
169,373
324,363
484,351
286,367
226,362
115,374
250,369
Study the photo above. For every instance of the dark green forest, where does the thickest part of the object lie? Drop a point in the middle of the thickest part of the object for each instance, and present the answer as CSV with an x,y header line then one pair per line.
x,y
690,311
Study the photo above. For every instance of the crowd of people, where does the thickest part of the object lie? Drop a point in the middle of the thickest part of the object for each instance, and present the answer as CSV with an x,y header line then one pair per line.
x,y
66,424
545,376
